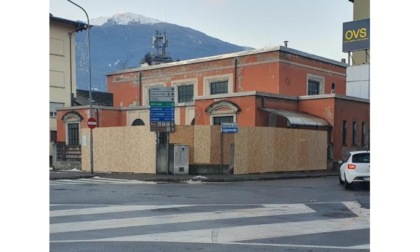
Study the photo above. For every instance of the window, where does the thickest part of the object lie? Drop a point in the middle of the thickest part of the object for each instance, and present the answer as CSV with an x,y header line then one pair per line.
x,y
218,84
73,133
361,158
313,87
53,136
219,87
53,108
137,122
344,131
363,133
354,142
315,84
218,120
185,93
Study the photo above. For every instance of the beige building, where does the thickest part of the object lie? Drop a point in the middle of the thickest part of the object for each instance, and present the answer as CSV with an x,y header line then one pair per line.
x,y
361,10
62,69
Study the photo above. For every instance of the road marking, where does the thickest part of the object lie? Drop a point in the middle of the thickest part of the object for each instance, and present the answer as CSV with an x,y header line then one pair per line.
x,y
97,180
268,210
251,232
109,209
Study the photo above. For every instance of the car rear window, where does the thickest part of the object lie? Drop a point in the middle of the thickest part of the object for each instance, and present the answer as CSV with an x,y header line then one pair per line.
x,y
361,158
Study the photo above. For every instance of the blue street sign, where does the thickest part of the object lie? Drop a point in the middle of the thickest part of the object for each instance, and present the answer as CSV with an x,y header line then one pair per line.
x,y
229,128
162,119
162,109
163,114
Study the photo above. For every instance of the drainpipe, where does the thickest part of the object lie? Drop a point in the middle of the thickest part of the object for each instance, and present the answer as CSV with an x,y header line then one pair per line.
x,y
71,72
236,75
140,75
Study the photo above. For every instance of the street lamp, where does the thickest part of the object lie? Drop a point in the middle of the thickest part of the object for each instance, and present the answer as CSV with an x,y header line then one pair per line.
x,y
90,87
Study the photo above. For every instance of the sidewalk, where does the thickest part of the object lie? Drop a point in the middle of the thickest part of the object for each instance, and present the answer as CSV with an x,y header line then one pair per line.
x,y
183,178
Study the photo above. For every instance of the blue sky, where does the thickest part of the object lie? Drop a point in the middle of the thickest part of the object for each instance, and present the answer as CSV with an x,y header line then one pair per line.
x,y
313,26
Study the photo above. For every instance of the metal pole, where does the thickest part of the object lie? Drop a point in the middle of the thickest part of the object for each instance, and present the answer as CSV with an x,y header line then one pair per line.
x,y
221,151
90,86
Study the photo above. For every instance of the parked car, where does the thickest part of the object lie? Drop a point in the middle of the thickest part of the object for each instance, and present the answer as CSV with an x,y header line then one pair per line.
x,y
355,168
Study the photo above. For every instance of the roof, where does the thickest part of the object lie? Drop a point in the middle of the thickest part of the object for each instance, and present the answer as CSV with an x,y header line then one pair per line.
x,y
234,55
98,98
78,25
296,118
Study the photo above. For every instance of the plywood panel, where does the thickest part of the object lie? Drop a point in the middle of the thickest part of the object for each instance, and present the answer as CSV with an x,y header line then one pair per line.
x,y
265,149
202,144
184,134
257,150
121,149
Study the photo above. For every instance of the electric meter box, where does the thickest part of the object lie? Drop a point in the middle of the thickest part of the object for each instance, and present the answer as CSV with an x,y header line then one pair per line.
x,y
181,159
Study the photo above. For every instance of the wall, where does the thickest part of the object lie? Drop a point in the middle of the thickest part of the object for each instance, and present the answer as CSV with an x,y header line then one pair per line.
x,y
263,149
336,109
276,71
350,110
358,81
105,117
61,62
295,69
257,149
125,89
120,149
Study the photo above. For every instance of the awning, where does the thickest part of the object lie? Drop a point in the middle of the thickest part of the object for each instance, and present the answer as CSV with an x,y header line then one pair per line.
x,y
296,118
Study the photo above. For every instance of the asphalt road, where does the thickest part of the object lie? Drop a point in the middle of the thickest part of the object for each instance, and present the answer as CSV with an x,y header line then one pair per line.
x,y
311,214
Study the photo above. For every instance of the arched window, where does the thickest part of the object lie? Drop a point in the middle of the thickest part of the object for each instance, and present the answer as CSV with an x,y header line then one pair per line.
x,y
138,122
222,111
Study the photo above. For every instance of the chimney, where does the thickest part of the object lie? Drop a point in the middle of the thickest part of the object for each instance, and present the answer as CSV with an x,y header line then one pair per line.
x,y
343,60
285,43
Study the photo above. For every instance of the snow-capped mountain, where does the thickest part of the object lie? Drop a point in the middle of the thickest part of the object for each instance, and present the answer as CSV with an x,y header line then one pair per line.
x,y
124,19
121,42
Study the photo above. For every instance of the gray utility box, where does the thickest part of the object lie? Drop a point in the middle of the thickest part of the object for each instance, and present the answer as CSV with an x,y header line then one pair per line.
x,y
181,159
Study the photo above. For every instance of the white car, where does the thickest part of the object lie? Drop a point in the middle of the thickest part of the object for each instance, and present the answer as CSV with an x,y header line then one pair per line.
x,y
355,168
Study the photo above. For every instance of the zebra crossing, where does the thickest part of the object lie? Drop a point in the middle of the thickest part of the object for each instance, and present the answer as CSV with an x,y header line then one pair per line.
x,y
96,180
253,224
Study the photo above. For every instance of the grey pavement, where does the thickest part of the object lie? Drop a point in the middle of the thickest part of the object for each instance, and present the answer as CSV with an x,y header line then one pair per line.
x,y
65,174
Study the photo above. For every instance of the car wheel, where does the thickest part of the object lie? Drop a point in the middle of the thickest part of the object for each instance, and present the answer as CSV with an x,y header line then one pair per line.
x,y
347,185
339,179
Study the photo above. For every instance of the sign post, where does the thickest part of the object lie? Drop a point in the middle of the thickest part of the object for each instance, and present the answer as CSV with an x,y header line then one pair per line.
x,y
226,128
162,116
162,109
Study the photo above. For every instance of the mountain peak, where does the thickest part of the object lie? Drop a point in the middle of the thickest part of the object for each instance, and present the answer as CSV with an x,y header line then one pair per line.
x,y
124,18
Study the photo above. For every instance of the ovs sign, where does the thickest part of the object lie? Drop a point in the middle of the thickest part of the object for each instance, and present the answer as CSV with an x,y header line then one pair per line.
x,y
356,35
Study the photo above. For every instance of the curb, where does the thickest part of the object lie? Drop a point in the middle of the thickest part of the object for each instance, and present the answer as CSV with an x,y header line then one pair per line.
x,y
55,175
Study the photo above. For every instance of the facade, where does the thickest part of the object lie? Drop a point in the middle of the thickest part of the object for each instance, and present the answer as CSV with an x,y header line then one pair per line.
x,y
273,87
361,10
62,69
358,74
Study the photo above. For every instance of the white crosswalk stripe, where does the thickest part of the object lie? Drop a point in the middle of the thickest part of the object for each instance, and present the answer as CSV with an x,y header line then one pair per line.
x,y
269,210
233,234
96,180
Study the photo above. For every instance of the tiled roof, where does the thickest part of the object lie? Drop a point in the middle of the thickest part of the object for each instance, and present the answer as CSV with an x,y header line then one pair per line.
x,y
98,98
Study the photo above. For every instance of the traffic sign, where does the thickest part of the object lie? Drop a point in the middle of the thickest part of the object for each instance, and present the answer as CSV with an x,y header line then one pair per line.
x,y
161,94
229,128
91,123
162,109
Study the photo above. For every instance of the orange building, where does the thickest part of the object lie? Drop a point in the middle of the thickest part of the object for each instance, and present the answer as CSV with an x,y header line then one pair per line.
x,y
275,87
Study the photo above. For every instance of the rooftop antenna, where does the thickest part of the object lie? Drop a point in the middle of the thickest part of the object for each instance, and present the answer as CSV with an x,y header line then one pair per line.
x,y
160,42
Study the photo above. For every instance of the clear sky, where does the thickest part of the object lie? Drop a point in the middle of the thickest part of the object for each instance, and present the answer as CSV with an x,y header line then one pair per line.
x,y
312,26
